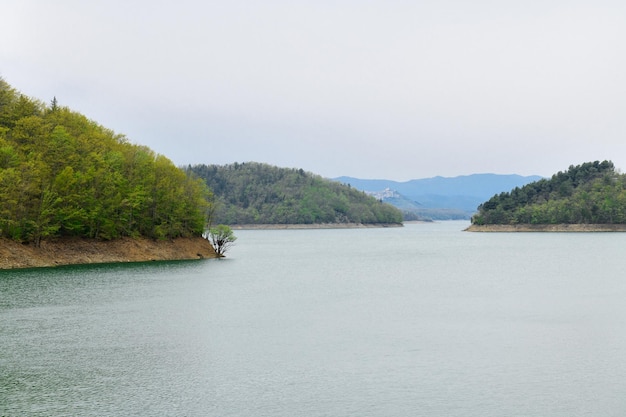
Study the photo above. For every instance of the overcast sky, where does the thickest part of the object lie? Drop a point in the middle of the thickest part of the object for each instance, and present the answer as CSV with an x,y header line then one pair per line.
x,y
372,89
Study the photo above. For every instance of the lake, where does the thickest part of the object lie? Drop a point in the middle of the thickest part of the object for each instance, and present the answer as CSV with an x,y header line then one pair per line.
x,y
423,320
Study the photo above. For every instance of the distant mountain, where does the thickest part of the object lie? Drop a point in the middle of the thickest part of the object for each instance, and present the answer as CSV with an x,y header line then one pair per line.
x,y
395,199
441,197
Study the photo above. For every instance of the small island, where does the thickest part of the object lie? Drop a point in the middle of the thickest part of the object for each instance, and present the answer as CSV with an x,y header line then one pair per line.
x,y
76,192
590,197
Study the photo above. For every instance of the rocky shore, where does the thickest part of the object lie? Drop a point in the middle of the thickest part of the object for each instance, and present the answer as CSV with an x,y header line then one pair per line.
x,y
547,228
15,255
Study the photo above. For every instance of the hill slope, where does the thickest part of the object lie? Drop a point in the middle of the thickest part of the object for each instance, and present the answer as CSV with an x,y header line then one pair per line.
x,y
62,175
456,197
255,193
590,193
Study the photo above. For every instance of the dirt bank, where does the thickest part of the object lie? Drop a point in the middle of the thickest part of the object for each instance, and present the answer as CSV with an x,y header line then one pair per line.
x,y
88,251
548,228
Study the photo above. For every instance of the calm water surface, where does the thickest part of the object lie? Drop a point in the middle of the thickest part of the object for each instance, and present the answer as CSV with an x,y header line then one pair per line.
x,y
424,320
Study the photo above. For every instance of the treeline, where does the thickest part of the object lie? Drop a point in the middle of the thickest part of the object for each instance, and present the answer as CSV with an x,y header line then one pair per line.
x,y
435,214
590,193
64,175
255,193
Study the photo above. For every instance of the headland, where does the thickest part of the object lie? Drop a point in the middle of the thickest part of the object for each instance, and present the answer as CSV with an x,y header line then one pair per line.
x,y
547,228
73,251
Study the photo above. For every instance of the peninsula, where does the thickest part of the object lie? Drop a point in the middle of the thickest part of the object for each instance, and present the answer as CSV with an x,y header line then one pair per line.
x,y
590,197
73,251
76,192
262,195
564,227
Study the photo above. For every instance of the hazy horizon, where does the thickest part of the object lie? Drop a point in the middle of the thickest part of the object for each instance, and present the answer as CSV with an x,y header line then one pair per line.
x,y
396,90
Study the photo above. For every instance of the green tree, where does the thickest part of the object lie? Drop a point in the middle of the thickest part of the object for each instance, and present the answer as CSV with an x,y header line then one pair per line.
x,y
62,174
222,238
588,193
260,193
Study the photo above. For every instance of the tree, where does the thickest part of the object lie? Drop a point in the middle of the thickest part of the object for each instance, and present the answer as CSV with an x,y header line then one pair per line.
x,y
62,174
263,194
222,238
592,192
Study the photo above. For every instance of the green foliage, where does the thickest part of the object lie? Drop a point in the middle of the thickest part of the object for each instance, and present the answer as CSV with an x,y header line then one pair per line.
x,y
64,175
590,193
254,193
222,238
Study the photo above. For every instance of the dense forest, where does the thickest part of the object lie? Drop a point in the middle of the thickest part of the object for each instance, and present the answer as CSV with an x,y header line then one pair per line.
x,y
590,193
64,175
255,193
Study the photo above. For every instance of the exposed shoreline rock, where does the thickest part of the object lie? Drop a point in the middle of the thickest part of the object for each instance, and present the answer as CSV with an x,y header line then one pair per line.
x,y
547,228
15,255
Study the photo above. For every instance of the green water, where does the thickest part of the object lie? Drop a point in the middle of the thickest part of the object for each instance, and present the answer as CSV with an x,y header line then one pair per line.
x,y
424,320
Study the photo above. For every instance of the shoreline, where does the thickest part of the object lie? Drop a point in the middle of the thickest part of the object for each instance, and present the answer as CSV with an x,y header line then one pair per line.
x,y
312,226
541,228
79,251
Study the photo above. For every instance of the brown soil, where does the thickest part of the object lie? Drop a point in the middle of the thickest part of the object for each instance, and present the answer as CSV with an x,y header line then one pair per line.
x,y
548,228
89,251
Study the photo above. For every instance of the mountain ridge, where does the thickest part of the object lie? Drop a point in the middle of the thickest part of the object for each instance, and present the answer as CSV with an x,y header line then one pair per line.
x,y
462,193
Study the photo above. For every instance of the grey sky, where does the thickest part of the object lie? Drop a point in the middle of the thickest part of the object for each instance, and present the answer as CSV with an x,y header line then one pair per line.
x,y
373,89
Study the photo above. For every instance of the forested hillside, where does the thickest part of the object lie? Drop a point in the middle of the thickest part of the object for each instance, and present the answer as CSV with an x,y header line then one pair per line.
x,y
64,175
254,193
591,193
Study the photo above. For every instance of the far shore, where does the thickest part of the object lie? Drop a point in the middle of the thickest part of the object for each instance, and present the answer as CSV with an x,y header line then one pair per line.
x,y
311,226
547,228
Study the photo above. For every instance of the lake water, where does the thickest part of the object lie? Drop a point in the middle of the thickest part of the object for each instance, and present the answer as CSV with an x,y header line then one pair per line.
x,y
424,320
